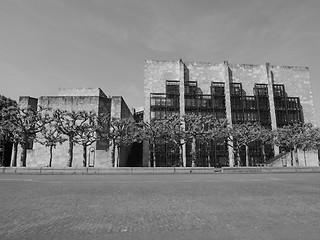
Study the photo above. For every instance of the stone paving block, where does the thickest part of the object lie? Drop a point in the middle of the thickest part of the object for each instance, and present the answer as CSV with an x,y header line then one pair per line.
x,y
9,170
68,170
181,206
92,170
122,170
184,170
162,170
25,170
33,170
48,170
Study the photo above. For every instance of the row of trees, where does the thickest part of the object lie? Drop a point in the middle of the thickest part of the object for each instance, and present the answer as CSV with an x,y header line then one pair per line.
x,y
53,127
207,129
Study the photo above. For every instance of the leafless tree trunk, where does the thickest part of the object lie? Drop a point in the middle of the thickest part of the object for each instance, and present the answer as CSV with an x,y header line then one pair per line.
x,y
295,151
14,155
84,155
193,152
247,156
154,154
70,151
50,160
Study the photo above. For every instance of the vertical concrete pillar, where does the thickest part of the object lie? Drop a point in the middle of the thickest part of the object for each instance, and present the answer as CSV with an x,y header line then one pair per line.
x,y
146,115
182,105
226,79
271,102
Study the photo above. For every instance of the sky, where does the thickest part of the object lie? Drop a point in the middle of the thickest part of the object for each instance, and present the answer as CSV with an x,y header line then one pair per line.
x,y
50,44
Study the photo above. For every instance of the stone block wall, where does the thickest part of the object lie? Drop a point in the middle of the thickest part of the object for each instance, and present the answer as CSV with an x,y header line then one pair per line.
x,y
71,103
297,84
94,92
204,74
119,108
248,75
26,101
155,75
39,155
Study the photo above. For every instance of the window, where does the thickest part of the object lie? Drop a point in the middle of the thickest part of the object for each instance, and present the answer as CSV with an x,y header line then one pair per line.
x,y
190,102
278,90
261,89
190,88
250,103
217,89
293,117
158,114
250,116
205,101
265,117
235,89
281,118
220,115
279,103
237,117
172,87
263,103
236,103
157,100
293,103
219,103
171,113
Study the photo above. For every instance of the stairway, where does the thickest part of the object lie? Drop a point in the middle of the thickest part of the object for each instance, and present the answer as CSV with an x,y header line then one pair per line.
x,y
281,160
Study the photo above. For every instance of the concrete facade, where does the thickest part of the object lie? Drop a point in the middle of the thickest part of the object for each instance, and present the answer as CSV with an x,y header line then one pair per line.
x,y
84,99
293,81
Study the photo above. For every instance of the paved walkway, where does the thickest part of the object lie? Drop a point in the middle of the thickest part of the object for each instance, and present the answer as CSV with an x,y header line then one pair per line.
x,y
218,206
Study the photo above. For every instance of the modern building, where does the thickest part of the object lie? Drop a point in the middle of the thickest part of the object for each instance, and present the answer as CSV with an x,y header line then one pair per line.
x,y
269,94
84,99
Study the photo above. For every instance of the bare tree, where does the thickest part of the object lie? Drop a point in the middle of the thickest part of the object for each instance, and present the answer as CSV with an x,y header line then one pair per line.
x,y
297,136
68,123
177,134
118,133
86,132
204,129
24,124
50,137
242,135
122,134
154,132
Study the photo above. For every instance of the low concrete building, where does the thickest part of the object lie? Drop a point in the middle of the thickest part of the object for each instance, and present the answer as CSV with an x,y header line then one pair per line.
x,y
78,99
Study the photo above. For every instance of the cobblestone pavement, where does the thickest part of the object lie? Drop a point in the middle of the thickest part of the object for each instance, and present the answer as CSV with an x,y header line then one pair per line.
x,y
195,206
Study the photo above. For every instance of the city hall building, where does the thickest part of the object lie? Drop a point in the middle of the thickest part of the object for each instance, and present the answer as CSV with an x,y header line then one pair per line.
x,y
269,94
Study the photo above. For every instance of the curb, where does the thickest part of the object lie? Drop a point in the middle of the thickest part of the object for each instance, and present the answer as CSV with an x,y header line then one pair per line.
x,y
158,170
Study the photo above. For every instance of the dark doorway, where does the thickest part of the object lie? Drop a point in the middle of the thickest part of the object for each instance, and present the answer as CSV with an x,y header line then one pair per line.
x,y
5,154
135,156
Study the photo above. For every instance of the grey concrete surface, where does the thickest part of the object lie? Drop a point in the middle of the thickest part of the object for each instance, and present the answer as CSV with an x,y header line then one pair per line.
x,y
197,206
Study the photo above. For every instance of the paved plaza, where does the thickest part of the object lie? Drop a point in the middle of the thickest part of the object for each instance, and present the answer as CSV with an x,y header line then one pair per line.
x,y
181,206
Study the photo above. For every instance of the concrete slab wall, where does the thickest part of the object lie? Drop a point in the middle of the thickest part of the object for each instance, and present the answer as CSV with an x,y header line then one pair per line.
x,y
297,84
248,75
77,100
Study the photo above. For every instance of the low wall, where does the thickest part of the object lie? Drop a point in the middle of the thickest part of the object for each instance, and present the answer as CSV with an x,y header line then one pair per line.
x,y
119,170
158,170
269,169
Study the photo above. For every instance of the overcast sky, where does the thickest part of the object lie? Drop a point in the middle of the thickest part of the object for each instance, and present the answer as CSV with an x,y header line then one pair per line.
x,y
50,44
